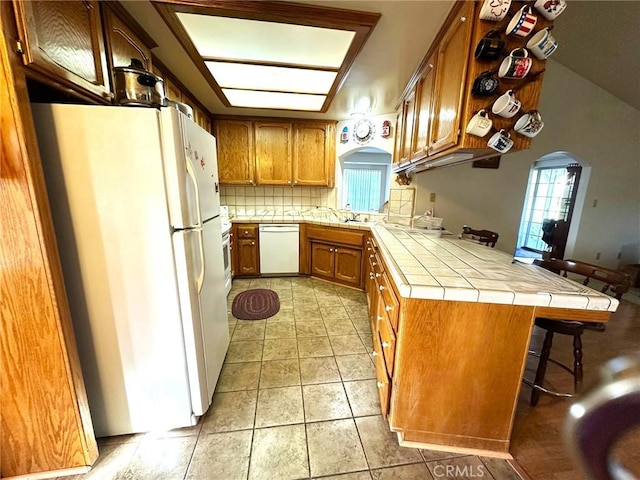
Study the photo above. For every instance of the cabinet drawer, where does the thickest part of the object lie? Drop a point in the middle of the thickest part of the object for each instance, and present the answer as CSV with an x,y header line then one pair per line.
x,y
382,380
389,302
387,339
247,231
335,235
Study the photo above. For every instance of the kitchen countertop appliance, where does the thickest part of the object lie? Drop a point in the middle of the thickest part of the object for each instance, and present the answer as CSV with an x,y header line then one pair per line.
x,y
137,87
135,201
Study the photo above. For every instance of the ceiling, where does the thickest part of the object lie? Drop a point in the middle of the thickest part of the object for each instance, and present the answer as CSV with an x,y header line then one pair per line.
x,y
597,39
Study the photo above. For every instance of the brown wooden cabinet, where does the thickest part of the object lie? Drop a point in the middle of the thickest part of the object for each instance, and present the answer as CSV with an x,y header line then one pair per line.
x,y
437,102
450,81
63,41
235,152
335,254
275,152
341,264
247,250
313,154
123,43
424,111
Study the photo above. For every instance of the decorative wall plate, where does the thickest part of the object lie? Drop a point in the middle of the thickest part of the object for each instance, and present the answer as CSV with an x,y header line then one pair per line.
x,y
363,131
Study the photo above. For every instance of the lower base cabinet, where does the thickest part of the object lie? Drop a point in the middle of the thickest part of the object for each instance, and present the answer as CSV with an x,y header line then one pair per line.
x,y
247,250
341,264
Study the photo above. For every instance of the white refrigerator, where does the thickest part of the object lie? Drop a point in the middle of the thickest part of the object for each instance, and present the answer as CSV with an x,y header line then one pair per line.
x,y
135,201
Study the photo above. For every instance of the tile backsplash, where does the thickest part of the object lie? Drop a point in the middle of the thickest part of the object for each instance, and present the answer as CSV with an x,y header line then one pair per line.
x,y
242,200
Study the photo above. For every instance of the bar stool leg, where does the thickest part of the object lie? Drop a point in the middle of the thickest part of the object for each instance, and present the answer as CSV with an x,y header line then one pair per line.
x,y
542,367
577,362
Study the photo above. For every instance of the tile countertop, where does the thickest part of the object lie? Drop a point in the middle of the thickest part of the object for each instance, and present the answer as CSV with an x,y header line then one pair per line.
x,y
448,268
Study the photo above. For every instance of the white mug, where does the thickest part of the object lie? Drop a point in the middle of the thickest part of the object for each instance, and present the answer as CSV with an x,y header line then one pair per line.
x,y
480,124
542,44
516,65
529,124
507,105
494,10
550,9
500,141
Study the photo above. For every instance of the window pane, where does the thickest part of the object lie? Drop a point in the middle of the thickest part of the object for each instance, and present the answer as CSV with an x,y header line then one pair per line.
x,y
362,188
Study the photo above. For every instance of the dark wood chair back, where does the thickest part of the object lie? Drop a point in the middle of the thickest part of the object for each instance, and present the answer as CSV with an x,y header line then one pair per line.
x,y
487,237
615,282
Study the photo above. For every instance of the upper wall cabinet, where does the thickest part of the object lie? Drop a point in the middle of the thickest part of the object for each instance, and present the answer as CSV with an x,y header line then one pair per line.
x,y
235,152
438,102
313,154
63,40
122,43
275,152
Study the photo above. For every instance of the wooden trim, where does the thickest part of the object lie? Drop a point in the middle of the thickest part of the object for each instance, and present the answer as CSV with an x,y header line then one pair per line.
x,y
44,403
251,118
597,316
446,448
269,64
65,472
361,23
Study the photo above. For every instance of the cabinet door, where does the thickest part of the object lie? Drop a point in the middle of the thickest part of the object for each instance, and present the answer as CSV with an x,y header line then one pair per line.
x,y
273,153
322,260
64,40
235,152
424,110
122,43
313,159
172,91
382,380
408,114
348,265
450,81
397,140
202,119
247,257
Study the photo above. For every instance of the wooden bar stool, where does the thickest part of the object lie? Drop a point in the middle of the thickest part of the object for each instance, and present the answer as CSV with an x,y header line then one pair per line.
x,y
614,282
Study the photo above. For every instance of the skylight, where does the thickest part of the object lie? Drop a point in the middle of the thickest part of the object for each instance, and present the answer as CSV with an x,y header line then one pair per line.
x,y
271,55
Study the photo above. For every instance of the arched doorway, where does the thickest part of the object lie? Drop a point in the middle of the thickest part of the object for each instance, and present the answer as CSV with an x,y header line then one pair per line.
x,y
364,178
553,206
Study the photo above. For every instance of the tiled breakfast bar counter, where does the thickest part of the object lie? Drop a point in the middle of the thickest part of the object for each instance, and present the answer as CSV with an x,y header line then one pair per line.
x,y
460,340
451,323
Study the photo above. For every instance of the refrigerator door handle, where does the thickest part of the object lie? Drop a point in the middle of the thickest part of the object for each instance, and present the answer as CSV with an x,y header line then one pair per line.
x,y
195,188
200,279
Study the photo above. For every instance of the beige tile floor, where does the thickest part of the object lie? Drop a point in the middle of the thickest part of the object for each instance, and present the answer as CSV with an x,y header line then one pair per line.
x,y
296,399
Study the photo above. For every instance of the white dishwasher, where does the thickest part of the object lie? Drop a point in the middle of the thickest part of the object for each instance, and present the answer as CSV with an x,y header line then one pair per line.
x,y
279,248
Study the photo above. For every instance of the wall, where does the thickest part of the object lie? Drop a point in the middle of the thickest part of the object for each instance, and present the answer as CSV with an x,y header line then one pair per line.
x,y
581,119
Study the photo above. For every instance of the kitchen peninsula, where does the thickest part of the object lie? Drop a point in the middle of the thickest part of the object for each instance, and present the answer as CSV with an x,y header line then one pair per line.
x,y
451,322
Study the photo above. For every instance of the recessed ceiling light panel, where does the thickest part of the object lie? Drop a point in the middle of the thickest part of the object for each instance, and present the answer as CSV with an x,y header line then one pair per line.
x,y
261,77
269,42
275,100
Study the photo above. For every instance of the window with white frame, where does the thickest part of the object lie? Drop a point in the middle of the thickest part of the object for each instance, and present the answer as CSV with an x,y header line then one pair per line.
x,y
365,181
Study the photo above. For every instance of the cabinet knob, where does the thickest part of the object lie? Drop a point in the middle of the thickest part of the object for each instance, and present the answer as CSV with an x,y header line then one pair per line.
x,y
463,19
369,249
371,255
380,384
377,275
388,308
371,276
246,232
381,287
331,249
374,264
288,182
252,182
253,243
378,318
385,345
296,182
374,353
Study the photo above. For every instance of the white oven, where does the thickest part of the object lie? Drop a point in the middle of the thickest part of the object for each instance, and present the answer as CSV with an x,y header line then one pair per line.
x,y
226,254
